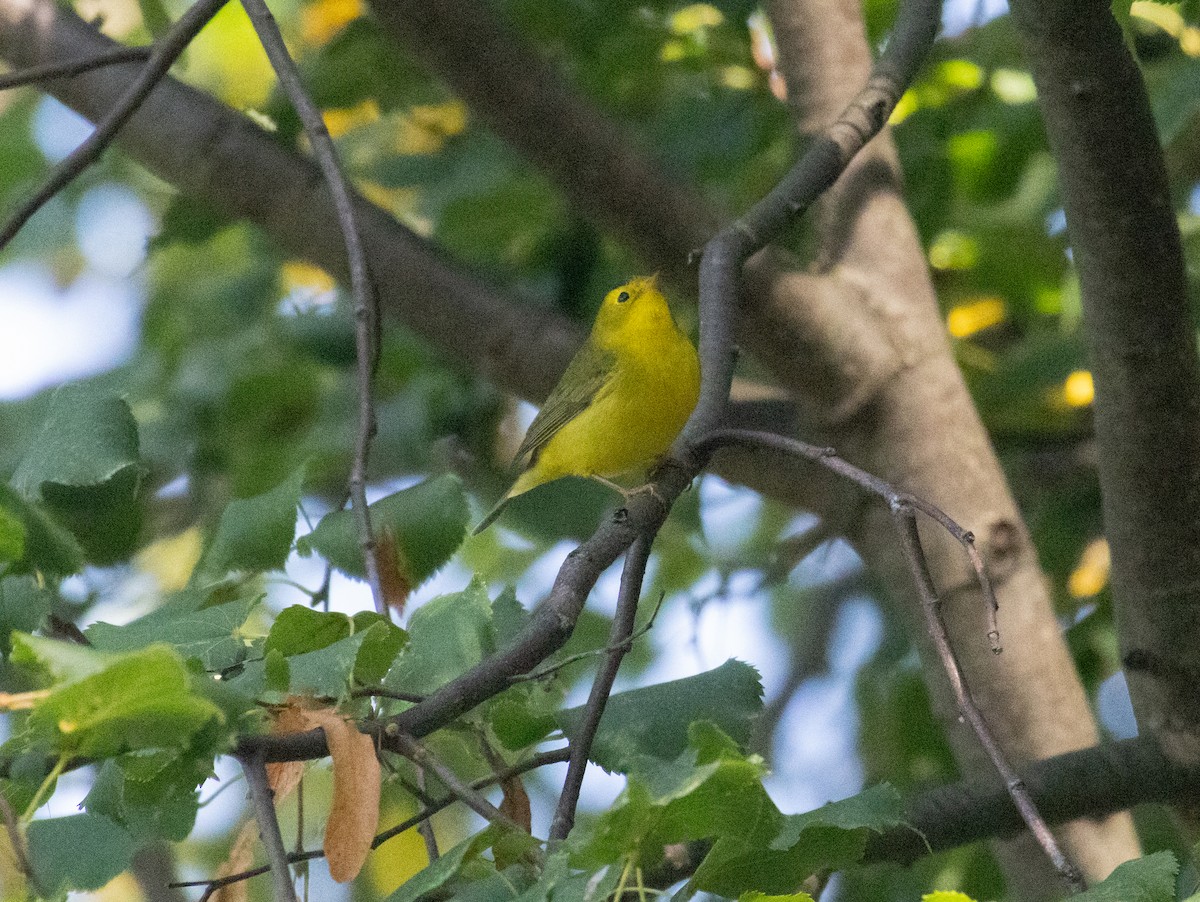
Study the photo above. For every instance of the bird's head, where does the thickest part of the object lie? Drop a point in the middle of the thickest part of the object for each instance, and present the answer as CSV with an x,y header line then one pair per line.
x,y
634,309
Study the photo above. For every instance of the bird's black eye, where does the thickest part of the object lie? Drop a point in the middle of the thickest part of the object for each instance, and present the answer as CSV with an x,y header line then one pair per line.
x,y
622,297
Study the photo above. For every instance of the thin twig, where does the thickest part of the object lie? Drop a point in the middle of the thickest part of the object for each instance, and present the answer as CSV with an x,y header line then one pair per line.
x,y
255,770
35,74
17,841
619,640
166,51
365,314
906,524
829,459
382,692
904,507
419,755
425,828
540,760
591,653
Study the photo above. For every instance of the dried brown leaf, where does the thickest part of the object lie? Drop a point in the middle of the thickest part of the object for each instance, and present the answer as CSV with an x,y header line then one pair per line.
x,y
285,776
241,858
357,781
516,803
393,569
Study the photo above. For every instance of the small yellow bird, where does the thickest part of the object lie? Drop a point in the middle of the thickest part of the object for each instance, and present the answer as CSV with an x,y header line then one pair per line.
x,y
622,401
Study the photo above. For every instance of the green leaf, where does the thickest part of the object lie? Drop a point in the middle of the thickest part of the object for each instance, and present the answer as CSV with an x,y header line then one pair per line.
x,y
382,643
299,629
710,790
88,437
755,896
210,635
83,465
560,883
254,534
832,837
1148,879
654,721
81,852
877,808
447,636
155,17
427,523
326,672
12,535
23,604
133,701
47,546
160,806
59,662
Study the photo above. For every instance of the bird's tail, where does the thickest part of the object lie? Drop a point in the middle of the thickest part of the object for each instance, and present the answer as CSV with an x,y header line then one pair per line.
x,y
492,515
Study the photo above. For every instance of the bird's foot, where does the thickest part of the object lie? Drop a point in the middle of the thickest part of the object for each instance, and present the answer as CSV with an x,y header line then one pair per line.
x,y
627,494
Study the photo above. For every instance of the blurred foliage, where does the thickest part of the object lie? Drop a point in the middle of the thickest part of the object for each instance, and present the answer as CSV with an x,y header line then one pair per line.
x,y
158,501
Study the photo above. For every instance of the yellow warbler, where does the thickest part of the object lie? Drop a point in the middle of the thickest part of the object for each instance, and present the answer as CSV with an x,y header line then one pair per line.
x,y
624,397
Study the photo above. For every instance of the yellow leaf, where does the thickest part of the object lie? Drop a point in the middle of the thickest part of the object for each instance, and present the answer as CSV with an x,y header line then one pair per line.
x,y
1078,390
171,560
1091,573
340,121
320,21
946,896
965,320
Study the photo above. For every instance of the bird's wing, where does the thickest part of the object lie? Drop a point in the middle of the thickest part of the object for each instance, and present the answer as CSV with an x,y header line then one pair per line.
x,y
588,373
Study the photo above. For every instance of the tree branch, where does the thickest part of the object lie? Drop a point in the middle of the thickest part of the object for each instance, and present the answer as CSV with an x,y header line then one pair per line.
x,y
35,74
421,756
1089,783
823,161
166,50
619,639
1142,346
906,526
255,769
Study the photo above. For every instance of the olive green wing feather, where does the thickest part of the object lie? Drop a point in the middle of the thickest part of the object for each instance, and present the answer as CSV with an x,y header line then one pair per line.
x,y
589,372
585,379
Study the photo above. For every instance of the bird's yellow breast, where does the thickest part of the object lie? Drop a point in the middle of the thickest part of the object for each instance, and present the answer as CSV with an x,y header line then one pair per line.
x,y
635,418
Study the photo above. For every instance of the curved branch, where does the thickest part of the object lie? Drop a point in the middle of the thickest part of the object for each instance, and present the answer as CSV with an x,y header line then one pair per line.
x,y
823,161
162,57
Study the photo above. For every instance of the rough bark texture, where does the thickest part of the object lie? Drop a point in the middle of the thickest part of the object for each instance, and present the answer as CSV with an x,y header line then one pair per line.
x,y
1142,345
917,427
